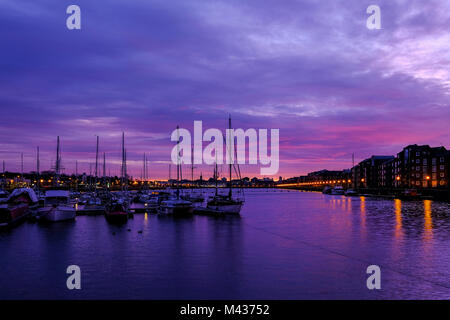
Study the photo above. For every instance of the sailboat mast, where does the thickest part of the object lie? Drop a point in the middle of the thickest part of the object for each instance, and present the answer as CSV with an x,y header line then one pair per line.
x,y
3,171
76,175
37,167
170,173
57,165
122,171
104,166
96,160
353,170
192,167
146,170
143,168
178,162
216,173
231,140
21,161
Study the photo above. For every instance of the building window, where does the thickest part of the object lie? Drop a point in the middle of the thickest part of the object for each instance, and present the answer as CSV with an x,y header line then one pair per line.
x,y
434,168
442,182
441,159
417,183
434,184
417,160
433,176
433,161
442,175
417,175
424,161
441,167
417,153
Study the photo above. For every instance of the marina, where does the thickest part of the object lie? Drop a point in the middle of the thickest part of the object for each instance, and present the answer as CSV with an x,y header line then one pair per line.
x,y
284,245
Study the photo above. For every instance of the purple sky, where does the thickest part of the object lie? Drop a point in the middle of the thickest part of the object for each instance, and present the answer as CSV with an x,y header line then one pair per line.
x,y
310,68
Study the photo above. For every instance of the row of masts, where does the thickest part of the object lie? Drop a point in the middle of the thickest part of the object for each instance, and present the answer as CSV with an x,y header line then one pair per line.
x,y
57,167
123,170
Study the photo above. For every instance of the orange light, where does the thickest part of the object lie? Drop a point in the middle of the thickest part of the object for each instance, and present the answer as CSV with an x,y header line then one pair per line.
x,y
362,180
428,177
398,178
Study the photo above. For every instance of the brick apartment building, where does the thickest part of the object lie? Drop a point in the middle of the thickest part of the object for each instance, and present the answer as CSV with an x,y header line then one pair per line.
x,y
413,167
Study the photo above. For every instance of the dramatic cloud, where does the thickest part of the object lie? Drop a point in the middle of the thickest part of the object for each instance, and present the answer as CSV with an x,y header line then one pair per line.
x,y
310,68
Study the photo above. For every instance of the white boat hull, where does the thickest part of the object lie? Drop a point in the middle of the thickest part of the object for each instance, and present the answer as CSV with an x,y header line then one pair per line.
x,y
60,213
176,207
228,208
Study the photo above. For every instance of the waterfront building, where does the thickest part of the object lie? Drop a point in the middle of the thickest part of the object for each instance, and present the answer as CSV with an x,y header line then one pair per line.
x,y
422,167
367,172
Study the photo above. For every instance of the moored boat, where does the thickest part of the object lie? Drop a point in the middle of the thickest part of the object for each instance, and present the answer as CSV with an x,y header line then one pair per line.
x,y
56,206
351,192
409,194
178,207
17,206
327,190
225,204
92,207
116,212
337,190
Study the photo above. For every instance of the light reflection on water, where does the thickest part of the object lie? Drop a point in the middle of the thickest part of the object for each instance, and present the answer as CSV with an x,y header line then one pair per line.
x,y
286,245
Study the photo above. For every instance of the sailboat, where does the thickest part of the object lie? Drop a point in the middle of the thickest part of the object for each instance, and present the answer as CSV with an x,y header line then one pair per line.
x,y
117,210
195,198
56,201
226,203
175,205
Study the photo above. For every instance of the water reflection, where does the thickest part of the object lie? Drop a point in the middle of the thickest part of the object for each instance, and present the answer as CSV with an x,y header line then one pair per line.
x,y
363,215
286,245
398,218
428,225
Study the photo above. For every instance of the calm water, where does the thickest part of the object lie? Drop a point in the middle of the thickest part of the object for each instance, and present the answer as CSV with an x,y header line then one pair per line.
x,y
286,245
